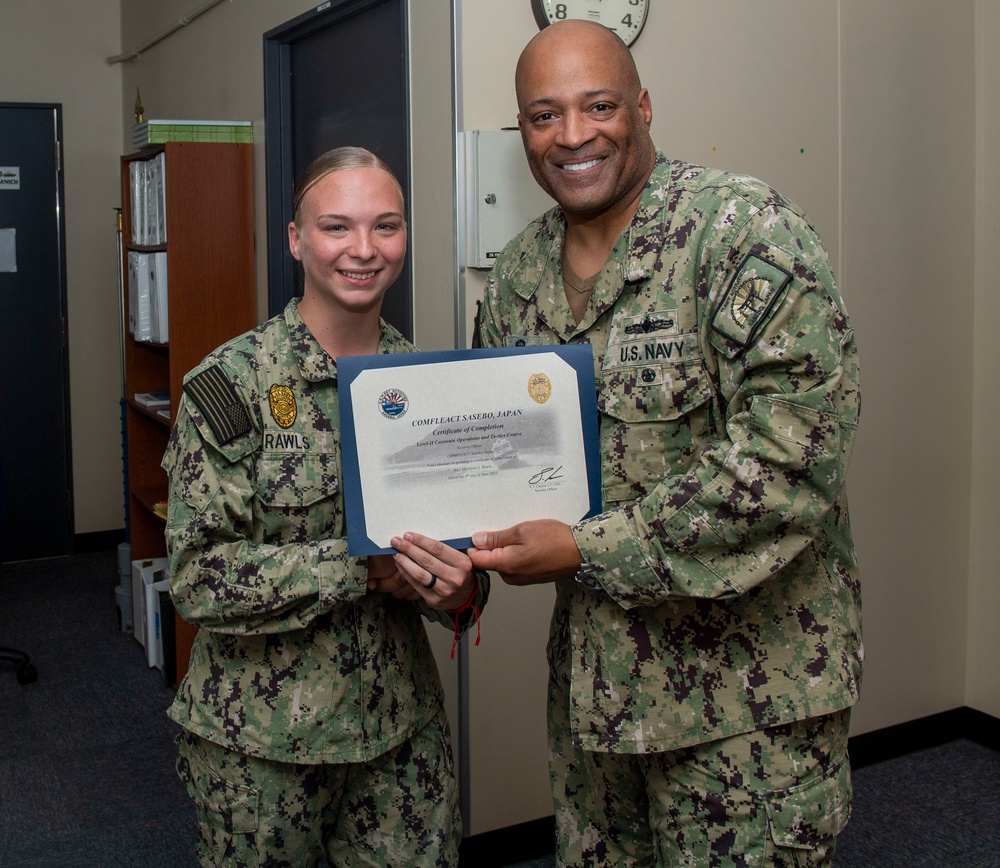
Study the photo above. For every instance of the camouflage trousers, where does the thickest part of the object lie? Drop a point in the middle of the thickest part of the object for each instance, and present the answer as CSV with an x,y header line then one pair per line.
x,y
400,809
774,798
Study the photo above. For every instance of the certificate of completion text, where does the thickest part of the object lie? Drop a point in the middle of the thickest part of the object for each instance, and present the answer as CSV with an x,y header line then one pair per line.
x,y
449,443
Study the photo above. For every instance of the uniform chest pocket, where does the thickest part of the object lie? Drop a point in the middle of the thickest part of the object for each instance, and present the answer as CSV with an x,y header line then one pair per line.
x,y
654,420
296,480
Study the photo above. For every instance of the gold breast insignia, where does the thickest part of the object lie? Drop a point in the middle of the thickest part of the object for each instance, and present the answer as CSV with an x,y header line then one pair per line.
x,y
282,403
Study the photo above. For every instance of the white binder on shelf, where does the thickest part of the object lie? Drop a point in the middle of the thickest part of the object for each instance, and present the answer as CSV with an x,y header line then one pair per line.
x,y
159,307
136,188
147,186
161,197
140,324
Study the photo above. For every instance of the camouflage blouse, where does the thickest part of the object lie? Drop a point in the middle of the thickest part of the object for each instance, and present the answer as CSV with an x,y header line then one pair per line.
x,y
725,596
294,659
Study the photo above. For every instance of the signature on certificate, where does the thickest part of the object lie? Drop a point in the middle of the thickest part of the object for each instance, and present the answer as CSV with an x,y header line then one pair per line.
x,y
548,474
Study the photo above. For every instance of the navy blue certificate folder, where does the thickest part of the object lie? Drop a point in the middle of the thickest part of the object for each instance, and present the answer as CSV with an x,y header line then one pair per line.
x,y
452,442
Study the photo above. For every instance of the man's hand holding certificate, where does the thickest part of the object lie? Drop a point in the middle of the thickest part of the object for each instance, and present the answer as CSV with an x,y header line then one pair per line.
x,y
448,443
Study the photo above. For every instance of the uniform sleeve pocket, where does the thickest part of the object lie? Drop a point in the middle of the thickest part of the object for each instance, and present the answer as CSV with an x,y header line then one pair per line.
x,y
810,816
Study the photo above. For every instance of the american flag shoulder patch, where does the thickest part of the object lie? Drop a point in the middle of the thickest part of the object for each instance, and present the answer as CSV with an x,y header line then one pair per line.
x,y
216,398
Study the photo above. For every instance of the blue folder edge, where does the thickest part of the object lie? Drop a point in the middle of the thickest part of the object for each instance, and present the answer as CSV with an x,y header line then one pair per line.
x,y
578,356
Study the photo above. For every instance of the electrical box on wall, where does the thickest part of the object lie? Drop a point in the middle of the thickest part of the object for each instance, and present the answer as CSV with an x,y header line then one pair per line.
x,y
501,195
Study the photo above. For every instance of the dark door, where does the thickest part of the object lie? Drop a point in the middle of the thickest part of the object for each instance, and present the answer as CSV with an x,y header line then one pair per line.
x,y
34,383
334,76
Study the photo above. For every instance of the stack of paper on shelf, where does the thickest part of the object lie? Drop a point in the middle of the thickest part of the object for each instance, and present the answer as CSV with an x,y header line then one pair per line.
x,y
153,132
153,400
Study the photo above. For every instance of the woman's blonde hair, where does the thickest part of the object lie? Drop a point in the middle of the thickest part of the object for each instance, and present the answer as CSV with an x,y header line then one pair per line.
x,y
336,160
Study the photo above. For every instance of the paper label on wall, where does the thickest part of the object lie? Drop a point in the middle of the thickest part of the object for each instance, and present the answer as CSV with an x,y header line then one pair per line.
x,y
10,177
8,250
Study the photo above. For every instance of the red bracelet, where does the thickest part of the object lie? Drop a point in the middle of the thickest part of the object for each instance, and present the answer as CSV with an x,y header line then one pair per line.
x,y
468,604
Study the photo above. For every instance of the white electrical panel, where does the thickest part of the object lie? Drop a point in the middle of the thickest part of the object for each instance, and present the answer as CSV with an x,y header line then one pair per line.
x,y
501,195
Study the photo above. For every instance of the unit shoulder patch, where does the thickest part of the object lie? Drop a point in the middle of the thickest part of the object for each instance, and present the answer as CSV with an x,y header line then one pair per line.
x,y
750,300
216,398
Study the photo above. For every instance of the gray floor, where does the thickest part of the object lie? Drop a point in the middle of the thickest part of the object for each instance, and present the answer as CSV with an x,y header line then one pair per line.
x,y
86,753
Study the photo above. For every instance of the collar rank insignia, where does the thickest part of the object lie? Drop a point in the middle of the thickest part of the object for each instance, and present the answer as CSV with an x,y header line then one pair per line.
x,y
282,402
750,300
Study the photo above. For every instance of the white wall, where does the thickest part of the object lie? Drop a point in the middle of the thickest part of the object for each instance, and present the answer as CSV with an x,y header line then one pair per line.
x,y
983,648
53,51
908,157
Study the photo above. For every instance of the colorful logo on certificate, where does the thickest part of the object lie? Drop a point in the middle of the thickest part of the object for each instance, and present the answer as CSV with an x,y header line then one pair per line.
x,y
393,403
539,387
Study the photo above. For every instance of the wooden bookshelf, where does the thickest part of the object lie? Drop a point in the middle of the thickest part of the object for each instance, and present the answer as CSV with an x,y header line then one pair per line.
x,y
212,297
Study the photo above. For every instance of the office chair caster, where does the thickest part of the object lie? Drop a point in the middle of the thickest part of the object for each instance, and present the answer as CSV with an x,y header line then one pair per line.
x,y
26,672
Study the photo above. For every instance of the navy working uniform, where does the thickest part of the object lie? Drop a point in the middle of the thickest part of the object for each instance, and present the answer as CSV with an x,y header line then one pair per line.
x,y
298,674
719,597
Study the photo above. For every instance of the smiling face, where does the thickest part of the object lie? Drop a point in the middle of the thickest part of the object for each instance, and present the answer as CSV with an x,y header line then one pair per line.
x,y
349,233
584,119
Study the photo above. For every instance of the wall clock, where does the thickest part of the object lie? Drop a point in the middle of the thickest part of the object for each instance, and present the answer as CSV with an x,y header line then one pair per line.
x,y
625,17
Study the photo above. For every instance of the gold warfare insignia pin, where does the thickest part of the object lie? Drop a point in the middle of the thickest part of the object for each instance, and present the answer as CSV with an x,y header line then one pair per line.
x,y
282,403
539,388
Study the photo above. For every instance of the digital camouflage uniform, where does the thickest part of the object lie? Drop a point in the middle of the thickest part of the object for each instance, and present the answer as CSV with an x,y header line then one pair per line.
x,y
724,598
295,663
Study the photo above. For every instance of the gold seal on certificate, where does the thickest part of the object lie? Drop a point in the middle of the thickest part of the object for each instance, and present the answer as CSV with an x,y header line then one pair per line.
x,y
539,387
448,443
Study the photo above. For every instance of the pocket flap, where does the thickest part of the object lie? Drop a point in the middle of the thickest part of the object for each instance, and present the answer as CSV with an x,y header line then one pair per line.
x,y
296,481
234,806
655,392
805,816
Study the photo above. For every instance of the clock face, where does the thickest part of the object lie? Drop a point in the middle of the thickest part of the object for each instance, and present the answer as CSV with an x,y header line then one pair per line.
x,y
624,17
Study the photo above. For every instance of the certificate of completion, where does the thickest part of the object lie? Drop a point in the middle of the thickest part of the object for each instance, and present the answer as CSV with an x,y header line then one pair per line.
x,y
453,442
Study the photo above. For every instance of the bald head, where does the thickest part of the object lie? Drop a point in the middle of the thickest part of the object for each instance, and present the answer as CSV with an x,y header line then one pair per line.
x,y
584,119
573,41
